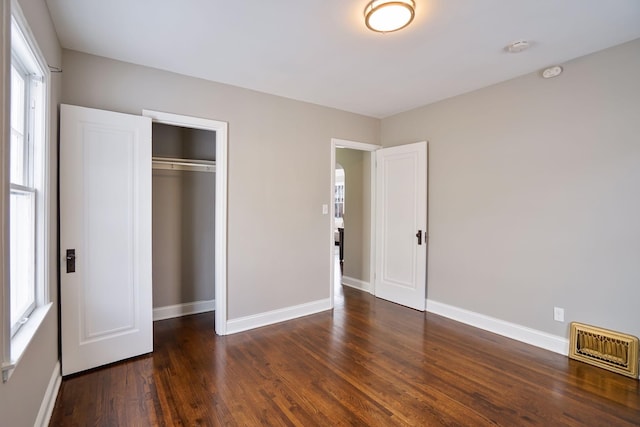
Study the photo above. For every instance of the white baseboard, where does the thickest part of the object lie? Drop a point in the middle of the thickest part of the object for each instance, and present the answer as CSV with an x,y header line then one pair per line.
x,y
276,316
356,283
517,332
49,399
171,311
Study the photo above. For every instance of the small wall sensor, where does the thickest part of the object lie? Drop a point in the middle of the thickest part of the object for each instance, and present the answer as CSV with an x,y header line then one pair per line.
x,y
550,72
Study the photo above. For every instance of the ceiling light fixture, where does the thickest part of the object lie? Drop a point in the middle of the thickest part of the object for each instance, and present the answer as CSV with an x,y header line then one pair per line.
x,y
385,16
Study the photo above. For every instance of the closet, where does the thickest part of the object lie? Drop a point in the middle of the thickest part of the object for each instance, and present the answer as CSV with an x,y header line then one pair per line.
x,y
183,214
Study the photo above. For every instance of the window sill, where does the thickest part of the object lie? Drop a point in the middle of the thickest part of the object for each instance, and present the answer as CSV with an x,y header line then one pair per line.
x,y
22,338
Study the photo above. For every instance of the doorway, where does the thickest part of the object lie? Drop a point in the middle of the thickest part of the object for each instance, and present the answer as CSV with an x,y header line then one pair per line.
x,y
183,218
398,222
338,225
358,244
220,226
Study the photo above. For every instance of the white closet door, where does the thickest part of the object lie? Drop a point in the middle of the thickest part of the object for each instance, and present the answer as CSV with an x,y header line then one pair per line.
x,y
105,218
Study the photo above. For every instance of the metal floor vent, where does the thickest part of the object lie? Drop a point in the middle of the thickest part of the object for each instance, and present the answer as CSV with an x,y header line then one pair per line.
x,y
606,349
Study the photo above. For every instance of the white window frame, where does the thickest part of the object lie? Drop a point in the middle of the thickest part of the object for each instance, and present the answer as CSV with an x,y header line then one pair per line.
x,y
23,45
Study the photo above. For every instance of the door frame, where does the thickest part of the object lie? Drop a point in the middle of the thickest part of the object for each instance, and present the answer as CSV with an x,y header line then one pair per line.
x,y
220,202
361,146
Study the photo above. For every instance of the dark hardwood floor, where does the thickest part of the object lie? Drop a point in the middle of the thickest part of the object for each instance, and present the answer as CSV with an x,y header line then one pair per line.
x,y
369,362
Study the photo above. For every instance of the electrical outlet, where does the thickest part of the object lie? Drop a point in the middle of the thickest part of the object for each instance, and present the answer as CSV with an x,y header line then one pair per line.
x,y
558,314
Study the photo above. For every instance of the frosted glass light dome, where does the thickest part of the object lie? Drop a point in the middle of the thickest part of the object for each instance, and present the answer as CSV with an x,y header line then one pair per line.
x,y
385,16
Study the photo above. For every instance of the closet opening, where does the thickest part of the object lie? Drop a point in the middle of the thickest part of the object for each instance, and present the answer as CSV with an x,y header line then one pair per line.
x,y
183,215
219,137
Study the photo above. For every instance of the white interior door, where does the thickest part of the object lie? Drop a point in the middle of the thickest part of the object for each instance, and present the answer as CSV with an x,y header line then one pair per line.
x,y
401,221
105,217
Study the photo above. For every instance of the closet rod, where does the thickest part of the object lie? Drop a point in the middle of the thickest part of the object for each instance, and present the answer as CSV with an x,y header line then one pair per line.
x,y
183,164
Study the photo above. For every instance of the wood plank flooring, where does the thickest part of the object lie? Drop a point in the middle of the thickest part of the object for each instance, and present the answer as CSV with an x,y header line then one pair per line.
x,y
369,362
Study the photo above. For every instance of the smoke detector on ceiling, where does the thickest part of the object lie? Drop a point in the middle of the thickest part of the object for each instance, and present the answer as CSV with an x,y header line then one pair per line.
x,y
518,46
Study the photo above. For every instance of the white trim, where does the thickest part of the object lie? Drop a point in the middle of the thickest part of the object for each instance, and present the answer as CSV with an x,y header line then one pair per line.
x,y
5,61
355,145
332,222
221,129
357,284
18,15
177,310
183,121
514,331
276,316
221,230
362,146
372,222
49,399
23,338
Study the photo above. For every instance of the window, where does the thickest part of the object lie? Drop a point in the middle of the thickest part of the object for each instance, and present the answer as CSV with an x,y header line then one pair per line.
x,y
27,301
22,199
27,172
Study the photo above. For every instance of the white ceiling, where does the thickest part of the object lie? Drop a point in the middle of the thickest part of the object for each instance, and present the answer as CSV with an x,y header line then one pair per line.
x,y
320,51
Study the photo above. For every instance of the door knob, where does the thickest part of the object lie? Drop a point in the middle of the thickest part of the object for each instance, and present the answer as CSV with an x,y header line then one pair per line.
x,y
419,236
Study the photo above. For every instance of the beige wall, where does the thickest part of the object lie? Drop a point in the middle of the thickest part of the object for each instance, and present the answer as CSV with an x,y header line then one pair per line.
x,y
279,157
357,215
534,192
183,237
22,395
183,143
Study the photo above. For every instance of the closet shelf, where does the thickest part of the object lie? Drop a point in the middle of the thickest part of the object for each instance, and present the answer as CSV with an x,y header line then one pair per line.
x,y
183,164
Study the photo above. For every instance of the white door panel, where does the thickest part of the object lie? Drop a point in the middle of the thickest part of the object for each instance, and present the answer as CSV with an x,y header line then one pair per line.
x,y
105,215
401,214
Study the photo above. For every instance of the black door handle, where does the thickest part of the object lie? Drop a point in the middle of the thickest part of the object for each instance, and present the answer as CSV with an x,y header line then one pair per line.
x,y
419,236
71,260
